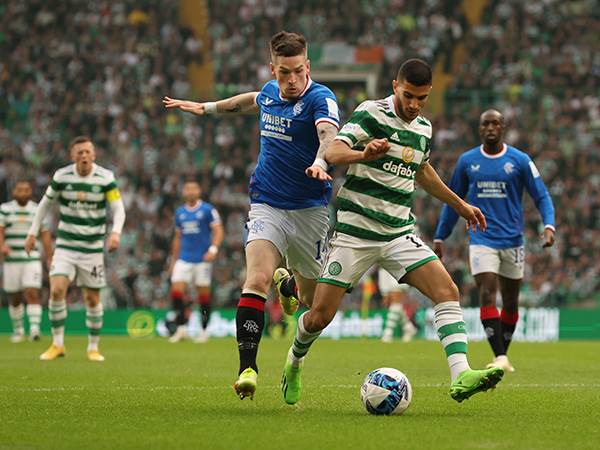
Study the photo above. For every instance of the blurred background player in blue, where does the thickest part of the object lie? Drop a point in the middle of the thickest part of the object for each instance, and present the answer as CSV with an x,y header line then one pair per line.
x,y
289,189
493,176
198,236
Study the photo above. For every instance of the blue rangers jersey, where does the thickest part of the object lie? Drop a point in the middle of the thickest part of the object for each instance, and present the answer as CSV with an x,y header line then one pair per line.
x,y
495,183
289,144
196,232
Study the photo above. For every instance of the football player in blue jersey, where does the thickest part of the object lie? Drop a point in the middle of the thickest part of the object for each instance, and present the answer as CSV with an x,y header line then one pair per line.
x,y
492,176
289,189
198,236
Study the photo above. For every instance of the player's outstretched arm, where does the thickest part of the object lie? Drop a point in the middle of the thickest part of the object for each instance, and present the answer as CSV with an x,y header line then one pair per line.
x,y
340,153
428,178
238,104
327,133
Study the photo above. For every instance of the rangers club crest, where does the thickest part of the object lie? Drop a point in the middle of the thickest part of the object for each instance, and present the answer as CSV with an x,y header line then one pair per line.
x,y
298,108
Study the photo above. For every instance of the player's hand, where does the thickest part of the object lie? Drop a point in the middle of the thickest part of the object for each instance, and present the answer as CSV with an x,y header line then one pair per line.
x,y
438,249
5,250
211,253
29,243
317,173
185,105
375,149
473,216
548,237
114,241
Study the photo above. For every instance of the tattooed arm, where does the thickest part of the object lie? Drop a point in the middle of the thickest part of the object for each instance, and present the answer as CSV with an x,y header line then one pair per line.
x,y
326,132
238,104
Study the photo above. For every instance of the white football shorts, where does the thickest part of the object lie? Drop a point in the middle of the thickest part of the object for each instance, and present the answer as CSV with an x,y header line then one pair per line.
x,y
350,257
22,275
86,269
199,274
300,235
507,262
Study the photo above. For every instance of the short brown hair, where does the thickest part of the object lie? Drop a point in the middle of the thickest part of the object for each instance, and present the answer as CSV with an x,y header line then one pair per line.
x,y
78,140
287,44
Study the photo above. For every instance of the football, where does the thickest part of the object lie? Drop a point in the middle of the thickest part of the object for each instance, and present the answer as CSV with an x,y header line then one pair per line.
x,y
386,391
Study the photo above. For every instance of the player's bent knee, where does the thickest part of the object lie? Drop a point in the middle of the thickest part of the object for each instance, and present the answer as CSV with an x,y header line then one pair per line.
x,y
447,292
258,281
58,292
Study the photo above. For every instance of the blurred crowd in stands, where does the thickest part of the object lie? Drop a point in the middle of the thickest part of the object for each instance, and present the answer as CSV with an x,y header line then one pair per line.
x,y
102,68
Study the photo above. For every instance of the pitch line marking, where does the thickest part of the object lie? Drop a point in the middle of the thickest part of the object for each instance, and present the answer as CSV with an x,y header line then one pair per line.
x,y
325,386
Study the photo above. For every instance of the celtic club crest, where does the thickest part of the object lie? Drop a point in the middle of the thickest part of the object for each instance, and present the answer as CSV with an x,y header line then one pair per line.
x,y
335,268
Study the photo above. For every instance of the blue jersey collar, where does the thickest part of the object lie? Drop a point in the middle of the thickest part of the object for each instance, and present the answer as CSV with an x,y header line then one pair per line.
x,y
497,155
193,208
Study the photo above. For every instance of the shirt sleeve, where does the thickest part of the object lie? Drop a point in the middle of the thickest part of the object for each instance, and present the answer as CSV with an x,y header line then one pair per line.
x,y
53,189
358,131
177,221
448,217
45,224
537,190
3,215
427,153
215,217
326,109
112,191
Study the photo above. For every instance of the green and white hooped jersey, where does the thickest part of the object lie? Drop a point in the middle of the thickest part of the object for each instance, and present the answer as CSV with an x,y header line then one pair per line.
x,y
82,200
16,220
376,199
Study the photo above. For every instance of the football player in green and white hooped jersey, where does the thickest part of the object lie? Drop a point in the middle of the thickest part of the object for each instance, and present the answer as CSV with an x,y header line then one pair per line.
x,y
22,272
82,190
387,144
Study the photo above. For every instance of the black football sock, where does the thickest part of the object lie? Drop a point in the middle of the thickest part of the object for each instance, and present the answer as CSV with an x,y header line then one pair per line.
x,y
250,321
490,318
508,323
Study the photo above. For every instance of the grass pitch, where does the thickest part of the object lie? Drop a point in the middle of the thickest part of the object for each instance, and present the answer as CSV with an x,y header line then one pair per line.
x,y
150,394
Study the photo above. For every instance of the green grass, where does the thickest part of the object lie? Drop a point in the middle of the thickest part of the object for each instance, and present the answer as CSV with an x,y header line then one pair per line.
x,y
151,394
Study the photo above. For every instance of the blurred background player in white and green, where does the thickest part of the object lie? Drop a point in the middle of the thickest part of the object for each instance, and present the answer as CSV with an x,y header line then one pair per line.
x,y
22,274
198,236
82,190
394,295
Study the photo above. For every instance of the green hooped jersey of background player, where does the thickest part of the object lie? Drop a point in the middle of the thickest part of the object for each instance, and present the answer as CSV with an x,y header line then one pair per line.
x,y
16,220
376,199
83,201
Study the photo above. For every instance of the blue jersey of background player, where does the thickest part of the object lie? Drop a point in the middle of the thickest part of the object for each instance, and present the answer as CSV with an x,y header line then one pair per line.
x,y
495,184
195,225
493,177
288,145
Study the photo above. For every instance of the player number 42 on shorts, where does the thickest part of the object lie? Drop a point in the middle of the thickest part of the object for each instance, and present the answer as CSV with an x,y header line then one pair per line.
x,y
97,271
